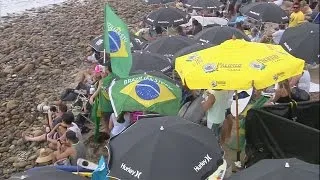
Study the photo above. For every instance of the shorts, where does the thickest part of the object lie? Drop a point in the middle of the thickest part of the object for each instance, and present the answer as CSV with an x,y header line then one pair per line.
x,y
106,116
216,128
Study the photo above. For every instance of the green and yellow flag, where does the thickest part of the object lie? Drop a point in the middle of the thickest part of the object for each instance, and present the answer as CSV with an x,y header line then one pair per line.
x,y
145,93
117,43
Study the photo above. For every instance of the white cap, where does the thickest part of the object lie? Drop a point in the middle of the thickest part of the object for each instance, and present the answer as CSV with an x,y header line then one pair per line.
x,y
161,128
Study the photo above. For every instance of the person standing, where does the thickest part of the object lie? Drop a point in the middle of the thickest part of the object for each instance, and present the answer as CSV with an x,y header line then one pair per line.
x,y
105,105
219,110
296,17
276,36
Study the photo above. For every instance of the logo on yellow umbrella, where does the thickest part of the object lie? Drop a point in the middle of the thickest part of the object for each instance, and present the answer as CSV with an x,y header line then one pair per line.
x,y
208,68
257,65
278,75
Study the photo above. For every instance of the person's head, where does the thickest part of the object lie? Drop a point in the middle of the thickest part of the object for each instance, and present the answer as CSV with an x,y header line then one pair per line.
x,y
97,70
121,117
239,25
62,108
158,30
296,7
195,22
254,31
282,26
67,118
179,30
71,137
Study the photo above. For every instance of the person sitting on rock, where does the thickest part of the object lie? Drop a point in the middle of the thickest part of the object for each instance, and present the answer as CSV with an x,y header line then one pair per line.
x,y
62,108
66,124
74,149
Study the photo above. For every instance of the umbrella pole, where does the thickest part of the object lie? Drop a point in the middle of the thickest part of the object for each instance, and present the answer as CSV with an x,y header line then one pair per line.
x,y
237,126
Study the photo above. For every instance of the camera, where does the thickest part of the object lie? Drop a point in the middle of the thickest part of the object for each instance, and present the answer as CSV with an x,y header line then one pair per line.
x,y
44,108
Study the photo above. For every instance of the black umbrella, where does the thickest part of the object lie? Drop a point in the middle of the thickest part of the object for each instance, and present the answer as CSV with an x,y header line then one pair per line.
x,y
137,43
279,169
165,148
146,61
302,42
157,1
47,173
191,49
265,12
169,45
204,4
166,17
219,34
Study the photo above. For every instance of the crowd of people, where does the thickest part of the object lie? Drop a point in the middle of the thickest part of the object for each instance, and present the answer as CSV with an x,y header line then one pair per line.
x,y
65,136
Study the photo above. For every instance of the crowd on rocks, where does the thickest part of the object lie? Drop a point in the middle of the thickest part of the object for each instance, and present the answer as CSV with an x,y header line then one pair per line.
x,y
41,53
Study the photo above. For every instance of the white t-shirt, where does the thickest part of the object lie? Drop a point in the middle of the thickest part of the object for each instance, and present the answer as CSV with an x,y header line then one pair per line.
x,y
304,81
76,129
216,114
119,127
278,2
276,36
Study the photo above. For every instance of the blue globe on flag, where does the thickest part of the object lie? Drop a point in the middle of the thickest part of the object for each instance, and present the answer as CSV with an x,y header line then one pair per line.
x,y
147,90
114,41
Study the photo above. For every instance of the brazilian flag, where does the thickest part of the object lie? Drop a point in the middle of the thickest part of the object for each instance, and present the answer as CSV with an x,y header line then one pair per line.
x,y
117,43
145,93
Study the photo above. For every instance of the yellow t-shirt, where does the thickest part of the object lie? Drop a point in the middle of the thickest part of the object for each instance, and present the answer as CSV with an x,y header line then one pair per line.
x,y
296,19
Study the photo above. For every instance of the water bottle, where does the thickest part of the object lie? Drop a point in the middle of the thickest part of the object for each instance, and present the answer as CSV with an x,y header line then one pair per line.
x,y
92,89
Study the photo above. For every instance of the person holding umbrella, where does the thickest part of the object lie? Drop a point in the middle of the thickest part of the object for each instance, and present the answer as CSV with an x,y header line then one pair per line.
x,y
296,17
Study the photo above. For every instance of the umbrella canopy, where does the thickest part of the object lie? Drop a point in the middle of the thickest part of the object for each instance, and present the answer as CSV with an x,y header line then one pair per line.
x,y
49,172
144,92
219,34
165,148
157,1
302,42
146,61
169,45
279,169
236,65
137,43
265,12
166,17
207,21
204,4
191,49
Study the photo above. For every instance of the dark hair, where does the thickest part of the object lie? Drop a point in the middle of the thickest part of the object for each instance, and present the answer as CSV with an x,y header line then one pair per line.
x,y
72,136
109,66
53,108
121,118
282,26
67,118
179,29
158,30
62,107
195,22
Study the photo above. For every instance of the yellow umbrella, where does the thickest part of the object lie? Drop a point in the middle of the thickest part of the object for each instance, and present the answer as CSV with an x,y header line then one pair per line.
x,y
236,65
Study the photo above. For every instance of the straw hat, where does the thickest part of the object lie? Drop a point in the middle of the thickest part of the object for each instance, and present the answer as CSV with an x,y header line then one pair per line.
x,y
45,156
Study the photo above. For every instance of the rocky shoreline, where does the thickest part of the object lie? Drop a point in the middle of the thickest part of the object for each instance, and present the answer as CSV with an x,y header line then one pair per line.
x,y
40,53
